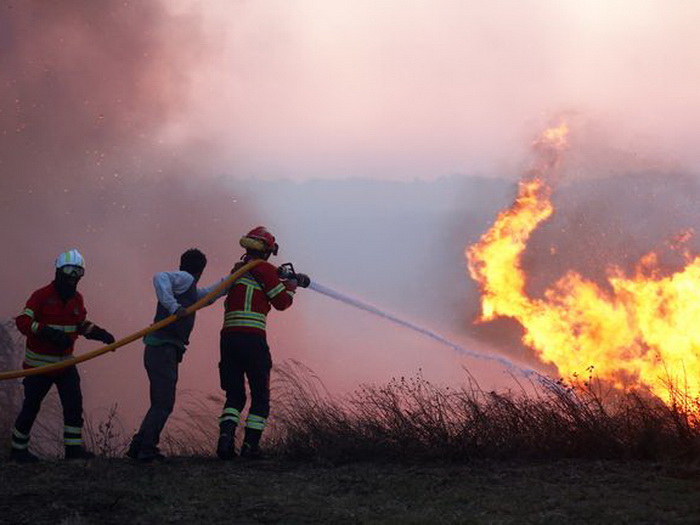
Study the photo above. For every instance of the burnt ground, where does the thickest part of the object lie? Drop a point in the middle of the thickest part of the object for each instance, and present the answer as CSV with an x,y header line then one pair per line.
x,y
205,490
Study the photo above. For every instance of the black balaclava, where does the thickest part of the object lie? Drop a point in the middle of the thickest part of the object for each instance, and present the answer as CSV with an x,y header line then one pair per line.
x,y
66,286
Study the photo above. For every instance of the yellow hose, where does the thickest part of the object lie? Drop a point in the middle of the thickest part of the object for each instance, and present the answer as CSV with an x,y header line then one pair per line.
x,y
204,301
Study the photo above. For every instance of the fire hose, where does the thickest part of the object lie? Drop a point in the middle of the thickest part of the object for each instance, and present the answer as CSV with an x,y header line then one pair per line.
x,y
204,301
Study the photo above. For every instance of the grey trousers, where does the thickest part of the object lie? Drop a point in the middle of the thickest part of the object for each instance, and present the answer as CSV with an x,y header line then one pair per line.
x,y
161,364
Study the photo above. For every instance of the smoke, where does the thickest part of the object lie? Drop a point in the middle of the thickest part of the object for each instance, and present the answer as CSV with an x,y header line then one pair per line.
x,y
87,86
614,203
87,91
135,130
404,90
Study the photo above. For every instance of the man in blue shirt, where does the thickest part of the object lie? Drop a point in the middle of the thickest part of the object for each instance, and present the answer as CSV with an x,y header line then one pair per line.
x,y
176,291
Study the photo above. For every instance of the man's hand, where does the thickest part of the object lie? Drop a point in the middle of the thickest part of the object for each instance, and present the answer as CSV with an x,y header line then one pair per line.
x,y
181,312
291,284
59,339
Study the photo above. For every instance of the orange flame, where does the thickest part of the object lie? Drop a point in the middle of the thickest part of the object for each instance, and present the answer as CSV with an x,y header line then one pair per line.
x,y
642,333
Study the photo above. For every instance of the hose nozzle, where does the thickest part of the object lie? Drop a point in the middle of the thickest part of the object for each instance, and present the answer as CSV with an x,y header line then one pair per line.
x,y
286,271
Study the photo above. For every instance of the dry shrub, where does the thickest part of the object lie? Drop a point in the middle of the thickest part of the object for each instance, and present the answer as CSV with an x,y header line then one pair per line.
x,y
412,418
104,433
11,354
193,429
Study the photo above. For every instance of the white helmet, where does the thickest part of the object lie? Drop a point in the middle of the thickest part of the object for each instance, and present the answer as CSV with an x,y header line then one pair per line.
x,y
70,258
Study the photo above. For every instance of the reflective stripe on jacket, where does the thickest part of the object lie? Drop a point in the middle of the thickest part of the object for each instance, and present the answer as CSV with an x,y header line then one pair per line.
x,y
251,297
46,308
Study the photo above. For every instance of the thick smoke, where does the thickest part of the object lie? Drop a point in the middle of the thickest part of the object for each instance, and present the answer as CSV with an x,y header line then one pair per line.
x,y
88,97
86,90
92,94
613,205
86,86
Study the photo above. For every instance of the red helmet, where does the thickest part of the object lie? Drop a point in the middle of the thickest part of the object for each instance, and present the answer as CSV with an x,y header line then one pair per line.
x,y
259,239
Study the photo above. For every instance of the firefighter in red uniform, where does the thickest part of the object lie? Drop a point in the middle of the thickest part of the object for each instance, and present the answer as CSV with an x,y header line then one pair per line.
x,y
52,320
244,349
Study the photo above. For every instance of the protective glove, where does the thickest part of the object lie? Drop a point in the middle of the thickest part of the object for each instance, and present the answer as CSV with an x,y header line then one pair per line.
x,y
291,284
60,340
181,312
100,334
303,280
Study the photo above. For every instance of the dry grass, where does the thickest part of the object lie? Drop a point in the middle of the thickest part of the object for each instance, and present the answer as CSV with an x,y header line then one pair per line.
x,y
105,434
405,419
11,354
193,429
411,418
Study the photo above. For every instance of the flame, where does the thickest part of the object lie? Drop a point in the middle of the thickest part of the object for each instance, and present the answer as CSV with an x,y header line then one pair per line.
x,y
640,333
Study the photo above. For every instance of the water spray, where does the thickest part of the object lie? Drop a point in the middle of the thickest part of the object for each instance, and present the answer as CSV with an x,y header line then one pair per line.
x,y
503,361
286,271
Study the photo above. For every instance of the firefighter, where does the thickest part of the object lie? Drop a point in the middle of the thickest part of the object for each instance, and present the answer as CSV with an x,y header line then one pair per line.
x,y
52,320
165,348
244,350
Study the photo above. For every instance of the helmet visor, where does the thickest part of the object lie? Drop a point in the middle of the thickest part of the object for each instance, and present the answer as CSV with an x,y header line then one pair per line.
x,y
73,271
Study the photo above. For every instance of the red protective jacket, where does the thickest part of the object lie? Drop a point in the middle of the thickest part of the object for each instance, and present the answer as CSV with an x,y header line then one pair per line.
x,y
45,308
251,297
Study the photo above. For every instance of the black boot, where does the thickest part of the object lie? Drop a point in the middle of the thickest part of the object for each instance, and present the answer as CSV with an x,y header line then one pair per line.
x,y
250,451
22,456
78,452
224,448
251,448
227,437
134,448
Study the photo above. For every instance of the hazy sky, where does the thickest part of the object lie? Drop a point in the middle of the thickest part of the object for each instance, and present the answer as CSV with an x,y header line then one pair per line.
x,y
416,88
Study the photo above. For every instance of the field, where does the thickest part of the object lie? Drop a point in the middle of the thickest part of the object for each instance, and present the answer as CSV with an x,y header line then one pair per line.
x,y
407,451
205,490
